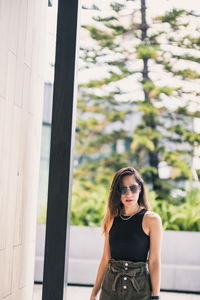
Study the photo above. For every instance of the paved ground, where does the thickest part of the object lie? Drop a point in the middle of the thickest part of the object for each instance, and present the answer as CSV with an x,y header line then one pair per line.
x,y
83,293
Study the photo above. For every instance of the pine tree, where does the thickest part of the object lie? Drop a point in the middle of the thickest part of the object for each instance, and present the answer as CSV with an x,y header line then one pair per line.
x,y
130,47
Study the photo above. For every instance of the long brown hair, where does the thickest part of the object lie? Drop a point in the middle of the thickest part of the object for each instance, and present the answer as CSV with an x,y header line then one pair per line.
x,y
114,204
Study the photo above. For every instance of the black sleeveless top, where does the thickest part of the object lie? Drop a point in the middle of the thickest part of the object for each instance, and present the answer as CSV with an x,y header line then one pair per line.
x,y
127,239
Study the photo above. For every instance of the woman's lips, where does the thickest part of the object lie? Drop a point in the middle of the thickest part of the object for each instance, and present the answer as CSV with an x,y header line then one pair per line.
x,y
129,200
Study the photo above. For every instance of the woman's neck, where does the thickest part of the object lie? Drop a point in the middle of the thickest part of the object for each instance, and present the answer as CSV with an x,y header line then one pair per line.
x,y
127,211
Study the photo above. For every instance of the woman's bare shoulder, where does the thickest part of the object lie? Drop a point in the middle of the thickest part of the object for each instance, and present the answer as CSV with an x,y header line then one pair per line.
x,y
152,214
152,217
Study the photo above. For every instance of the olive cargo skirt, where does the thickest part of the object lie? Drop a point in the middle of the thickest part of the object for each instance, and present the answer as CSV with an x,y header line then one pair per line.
x,y
126,280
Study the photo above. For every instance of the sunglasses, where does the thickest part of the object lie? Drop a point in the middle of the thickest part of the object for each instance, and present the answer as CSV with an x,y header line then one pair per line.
x,y
133,188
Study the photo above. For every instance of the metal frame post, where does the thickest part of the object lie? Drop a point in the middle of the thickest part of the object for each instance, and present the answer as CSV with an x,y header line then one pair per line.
x,y
61,150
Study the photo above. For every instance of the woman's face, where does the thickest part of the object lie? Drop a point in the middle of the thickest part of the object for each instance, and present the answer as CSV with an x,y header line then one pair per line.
x,y
130,190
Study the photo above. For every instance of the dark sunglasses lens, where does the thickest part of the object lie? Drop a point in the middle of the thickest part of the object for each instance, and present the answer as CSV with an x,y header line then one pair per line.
x,y
123,190
133,188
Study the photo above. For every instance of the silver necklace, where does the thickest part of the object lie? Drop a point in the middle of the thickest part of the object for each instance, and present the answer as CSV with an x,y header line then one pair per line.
x,y
125,219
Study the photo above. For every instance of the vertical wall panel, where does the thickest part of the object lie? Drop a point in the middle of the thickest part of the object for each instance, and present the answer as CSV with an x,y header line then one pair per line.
x,y
22,31
4,67
18,201
13,28
26,87
21,52
4,19
2,179
11,77
6,276
29,34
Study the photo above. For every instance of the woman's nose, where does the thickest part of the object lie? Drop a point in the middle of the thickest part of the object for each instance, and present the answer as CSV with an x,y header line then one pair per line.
x,y
128,191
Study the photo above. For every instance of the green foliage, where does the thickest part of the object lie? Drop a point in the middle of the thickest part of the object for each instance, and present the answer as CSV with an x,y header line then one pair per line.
x,y
192,137
198,174
41,219
116,6
147,51
185,216
154,91
105,40
184,111
145,136
100,83
148,108
188,73
146,173
118,30
97,34
106,19
172,17
89,203
141,141
186,56
180,164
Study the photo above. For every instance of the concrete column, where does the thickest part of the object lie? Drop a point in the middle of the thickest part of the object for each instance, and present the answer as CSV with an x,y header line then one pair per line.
x,y
22,34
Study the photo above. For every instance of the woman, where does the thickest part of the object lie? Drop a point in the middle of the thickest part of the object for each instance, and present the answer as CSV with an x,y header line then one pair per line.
x,y
132,232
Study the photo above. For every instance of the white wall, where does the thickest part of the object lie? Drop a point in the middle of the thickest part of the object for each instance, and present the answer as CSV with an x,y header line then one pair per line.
x,y
22,35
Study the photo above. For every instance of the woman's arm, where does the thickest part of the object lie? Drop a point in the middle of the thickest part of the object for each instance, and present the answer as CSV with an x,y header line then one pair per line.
x,y
102,267
154,262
